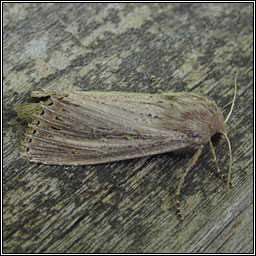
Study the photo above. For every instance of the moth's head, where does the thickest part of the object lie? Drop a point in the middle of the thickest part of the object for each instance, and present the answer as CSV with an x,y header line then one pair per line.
x,y
218,137
222,126
216,120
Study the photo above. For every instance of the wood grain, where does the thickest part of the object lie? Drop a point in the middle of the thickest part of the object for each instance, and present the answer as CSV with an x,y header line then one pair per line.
x,y
128,206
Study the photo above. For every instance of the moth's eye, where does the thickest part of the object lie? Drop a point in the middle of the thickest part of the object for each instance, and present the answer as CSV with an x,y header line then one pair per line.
x,y
216,138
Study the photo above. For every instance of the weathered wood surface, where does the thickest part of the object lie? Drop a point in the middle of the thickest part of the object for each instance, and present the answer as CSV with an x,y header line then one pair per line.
x,y
128,206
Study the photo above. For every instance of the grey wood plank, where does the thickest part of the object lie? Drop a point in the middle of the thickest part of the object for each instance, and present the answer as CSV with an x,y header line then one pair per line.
x,y
128,206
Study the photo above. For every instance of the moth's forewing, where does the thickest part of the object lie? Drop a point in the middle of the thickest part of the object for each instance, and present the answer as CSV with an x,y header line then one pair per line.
x,y
80,128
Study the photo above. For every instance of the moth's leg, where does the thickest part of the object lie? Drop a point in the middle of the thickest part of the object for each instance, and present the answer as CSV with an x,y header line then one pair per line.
x,y
190,165
223,177
153,78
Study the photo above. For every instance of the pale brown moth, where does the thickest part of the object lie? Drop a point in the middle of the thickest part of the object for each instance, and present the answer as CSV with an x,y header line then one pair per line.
x,y
88,127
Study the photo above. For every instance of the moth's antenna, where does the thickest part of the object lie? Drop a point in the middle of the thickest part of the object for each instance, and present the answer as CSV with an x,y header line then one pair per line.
x,y
233,101
230,159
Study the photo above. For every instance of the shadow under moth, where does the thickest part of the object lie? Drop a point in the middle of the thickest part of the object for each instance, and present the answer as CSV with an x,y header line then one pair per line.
x,y
89,127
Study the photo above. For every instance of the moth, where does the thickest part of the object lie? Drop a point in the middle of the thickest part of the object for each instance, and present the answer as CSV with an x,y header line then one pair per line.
x,y
89,127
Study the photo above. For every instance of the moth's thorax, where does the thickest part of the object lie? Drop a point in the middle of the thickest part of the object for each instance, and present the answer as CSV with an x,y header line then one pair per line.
x,y
195,116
